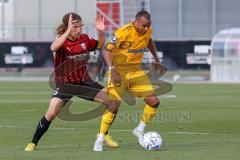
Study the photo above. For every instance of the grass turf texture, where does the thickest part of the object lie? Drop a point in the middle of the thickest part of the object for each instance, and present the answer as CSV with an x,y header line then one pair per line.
x,y
201,122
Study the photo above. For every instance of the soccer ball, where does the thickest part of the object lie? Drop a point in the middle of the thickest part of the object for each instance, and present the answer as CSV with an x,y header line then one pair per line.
x,y
152,141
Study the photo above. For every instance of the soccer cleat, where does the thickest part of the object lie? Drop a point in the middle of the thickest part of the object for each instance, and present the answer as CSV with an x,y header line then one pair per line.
x,y
139,135
30,147
109,141
98,146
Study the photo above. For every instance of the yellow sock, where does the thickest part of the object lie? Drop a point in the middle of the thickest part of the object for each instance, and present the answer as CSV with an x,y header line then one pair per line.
x,y
148,113
107,120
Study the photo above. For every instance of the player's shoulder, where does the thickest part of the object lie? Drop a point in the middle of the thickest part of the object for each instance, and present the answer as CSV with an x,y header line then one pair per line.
x,y
83,36
125,29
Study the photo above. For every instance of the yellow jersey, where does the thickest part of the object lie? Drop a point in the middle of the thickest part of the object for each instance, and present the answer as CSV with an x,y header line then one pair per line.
x,y
127,47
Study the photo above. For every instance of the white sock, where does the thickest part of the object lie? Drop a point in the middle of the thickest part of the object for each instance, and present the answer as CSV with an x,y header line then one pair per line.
x,y
141,126
101,137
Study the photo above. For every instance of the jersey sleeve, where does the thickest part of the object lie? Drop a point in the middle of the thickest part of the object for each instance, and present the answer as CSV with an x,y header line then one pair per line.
x,y
92,44
115,41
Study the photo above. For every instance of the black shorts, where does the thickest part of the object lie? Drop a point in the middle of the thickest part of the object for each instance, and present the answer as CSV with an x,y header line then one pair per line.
x,y
86,90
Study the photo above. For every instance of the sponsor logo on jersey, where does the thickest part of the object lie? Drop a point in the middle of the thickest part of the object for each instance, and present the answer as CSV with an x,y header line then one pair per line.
x,y
137,51
79,57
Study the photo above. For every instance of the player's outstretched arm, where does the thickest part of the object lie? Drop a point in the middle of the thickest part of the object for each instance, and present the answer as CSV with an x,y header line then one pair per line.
x,y
115,77
100,26
152,48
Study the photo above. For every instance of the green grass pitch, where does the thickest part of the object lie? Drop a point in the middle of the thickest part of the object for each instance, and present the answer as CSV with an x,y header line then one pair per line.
x,y
196,121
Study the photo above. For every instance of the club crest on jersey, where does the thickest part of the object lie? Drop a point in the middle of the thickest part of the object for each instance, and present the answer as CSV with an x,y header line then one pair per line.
x,y
83,45
114,39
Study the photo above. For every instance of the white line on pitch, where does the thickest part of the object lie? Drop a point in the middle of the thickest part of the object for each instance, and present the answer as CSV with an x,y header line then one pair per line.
x,y
8,126
47,100
190,133
118,130
193,133
62,128
168,96
29,110
127,130
24,101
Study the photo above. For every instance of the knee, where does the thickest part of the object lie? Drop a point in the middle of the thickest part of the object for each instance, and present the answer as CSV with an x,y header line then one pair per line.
x,y
113,106
153,101
113,109
156,103
50,115
54,108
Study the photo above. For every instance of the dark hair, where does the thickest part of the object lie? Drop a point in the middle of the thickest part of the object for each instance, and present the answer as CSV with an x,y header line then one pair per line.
x,y
63,26
143,13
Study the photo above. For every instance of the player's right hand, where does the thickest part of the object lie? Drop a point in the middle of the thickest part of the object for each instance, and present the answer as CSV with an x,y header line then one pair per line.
x,y
115,77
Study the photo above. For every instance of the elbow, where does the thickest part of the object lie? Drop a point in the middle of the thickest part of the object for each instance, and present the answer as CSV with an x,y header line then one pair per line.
x,y
53,48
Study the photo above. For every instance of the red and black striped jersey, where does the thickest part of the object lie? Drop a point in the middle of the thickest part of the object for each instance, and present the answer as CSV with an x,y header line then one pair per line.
x,y
72,58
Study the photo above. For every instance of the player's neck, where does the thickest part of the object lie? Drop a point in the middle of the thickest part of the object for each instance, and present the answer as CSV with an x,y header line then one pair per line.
x,y
135,28
72,38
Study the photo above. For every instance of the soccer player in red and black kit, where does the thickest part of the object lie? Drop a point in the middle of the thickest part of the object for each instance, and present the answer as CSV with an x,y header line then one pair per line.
x,y
71,50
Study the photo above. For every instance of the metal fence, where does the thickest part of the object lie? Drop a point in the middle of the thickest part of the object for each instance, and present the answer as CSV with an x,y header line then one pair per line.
x,y
171,19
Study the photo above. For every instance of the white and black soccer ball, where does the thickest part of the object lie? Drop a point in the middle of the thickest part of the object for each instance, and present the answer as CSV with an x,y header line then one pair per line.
x,y
152,141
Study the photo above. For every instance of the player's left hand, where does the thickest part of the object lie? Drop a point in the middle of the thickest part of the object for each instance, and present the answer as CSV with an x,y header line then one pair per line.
x,y
99,23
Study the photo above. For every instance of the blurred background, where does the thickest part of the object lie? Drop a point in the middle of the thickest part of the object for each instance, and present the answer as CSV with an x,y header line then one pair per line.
x,y
197,40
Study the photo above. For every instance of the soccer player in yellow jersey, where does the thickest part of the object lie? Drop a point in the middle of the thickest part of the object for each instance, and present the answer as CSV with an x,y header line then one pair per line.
x,y
123,55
